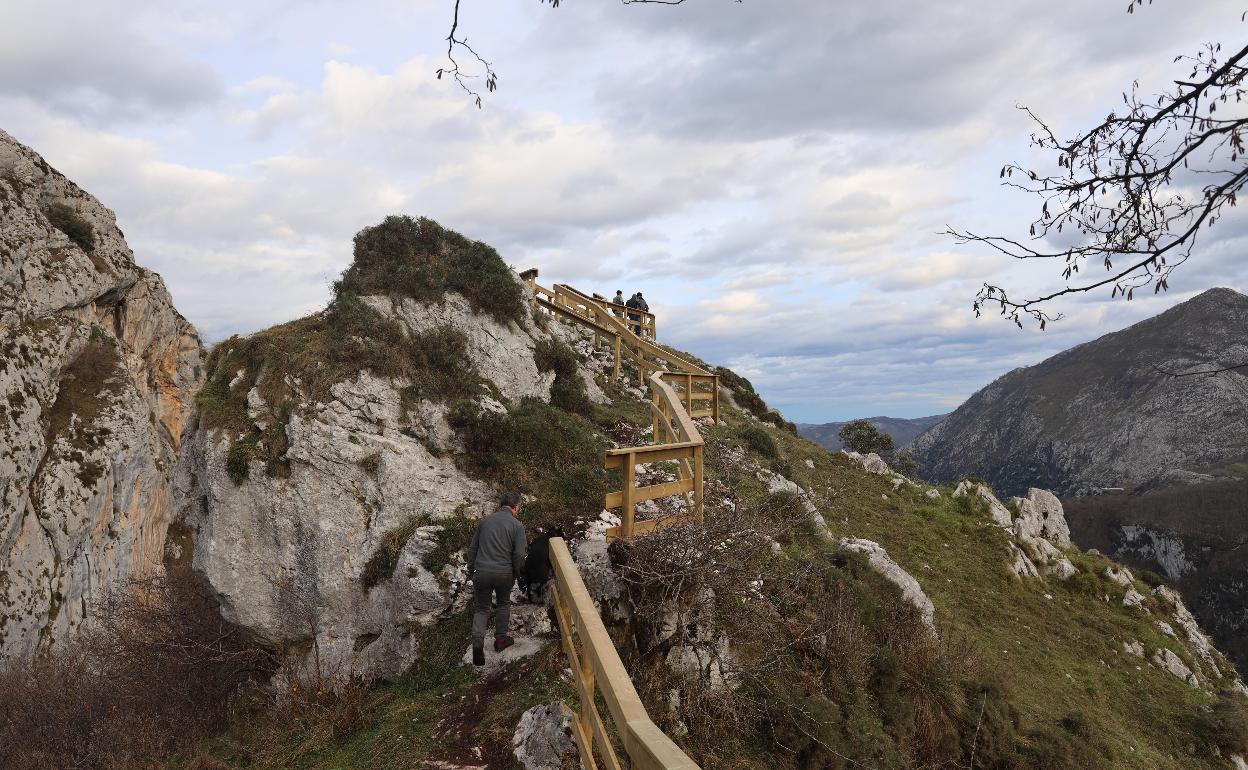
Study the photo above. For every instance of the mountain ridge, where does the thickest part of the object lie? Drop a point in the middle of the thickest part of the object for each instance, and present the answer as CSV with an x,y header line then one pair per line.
x,y
903,430
1107,412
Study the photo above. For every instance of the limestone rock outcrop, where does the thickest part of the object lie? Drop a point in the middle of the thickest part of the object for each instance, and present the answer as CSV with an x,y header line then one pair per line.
x,y
289,552
882,563
1000,514
543,737
97,376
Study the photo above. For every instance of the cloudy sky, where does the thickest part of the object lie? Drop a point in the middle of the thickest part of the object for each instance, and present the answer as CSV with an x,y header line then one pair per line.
x,y
773,175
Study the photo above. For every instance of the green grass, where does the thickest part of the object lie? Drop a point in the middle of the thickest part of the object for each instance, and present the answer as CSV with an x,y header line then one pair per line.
x,y
1050,654
400,728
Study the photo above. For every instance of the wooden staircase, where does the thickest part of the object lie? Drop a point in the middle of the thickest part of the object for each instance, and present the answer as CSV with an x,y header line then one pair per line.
x,y
680,391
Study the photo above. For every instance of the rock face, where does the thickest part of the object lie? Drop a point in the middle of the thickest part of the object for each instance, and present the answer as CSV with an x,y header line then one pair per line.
x,y
543,737
1106,414
97,377
882,563
287,553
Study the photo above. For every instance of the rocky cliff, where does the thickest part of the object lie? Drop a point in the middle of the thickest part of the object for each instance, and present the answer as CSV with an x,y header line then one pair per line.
x,y
324,482
97,375
1108,413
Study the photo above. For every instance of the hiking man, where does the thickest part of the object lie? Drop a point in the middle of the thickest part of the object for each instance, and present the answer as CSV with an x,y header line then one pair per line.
x,y
634,302
643,306
495,560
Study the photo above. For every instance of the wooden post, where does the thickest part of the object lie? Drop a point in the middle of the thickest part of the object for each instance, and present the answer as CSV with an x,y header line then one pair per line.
x,y
587,679
616,375
697,482
689,394
715,398
655,438
630,481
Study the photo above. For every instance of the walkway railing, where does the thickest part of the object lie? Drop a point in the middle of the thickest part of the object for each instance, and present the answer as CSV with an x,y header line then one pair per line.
x,y
597,668
676,397
676,439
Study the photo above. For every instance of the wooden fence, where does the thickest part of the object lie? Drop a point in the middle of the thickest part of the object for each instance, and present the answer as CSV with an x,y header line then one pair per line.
x,y
677,397
597,668
676,440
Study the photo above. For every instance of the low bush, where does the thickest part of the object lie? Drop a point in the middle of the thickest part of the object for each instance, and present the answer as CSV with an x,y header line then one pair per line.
x,y
538,449
157,672
568,391
380,566
65,219
421,260
760,441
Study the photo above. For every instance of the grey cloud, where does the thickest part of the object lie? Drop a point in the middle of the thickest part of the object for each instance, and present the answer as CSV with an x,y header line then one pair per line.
x,y
754,70
85,60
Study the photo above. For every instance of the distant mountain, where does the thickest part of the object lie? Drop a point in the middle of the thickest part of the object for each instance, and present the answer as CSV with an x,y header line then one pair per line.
x,y
1107,413
902,430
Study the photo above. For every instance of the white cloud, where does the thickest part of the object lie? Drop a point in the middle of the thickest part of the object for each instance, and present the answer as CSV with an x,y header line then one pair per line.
x,y
774,181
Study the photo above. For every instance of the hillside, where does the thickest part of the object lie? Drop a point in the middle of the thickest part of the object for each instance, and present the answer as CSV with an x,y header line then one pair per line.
x,y
1193,536
826,615
1106,413
310,610
903,430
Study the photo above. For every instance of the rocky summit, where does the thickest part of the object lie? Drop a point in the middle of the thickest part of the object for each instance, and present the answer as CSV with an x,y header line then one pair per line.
x,y
1109,413
97,377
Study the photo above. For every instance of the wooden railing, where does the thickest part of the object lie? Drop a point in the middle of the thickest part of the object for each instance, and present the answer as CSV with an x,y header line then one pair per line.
x,y
676,440
677,397
597,668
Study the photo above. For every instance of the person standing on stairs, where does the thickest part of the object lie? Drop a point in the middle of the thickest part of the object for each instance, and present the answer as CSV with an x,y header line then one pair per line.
x,y
618,299
495,559
643,306
634,302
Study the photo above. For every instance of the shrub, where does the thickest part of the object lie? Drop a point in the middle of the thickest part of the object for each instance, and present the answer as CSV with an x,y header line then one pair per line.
x,y
906,465
760,441
419,259
79,230
568,391
538,449
238,459
863,437
156,673
380,566
370,464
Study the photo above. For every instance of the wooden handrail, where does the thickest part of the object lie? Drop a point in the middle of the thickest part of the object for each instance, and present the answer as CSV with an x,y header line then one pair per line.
x,y
597,668
676,438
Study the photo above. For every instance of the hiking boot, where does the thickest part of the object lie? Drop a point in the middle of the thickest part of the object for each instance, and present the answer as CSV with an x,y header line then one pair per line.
x,y
478,656
502,642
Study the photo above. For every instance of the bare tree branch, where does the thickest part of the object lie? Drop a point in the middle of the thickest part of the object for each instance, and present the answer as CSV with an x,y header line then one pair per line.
x,y
456,43
456,71
1133,192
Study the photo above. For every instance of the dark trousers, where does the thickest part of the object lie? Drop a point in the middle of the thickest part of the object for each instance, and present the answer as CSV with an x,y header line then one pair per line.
x,y
487,585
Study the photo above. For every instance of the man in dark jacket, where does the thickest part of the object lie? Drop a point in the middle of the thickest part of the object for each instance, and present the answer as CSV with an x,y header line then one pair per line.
x,y
495,560
634,302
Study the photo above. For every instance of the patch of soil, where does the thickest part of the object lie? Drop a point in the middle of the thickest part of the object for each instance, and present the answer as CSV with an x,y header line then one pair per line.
x,y
465,742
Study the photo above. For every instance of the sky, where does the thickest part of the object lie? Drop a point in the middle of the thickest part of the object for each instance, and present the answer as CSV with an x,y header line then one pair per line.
x,y
774,176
